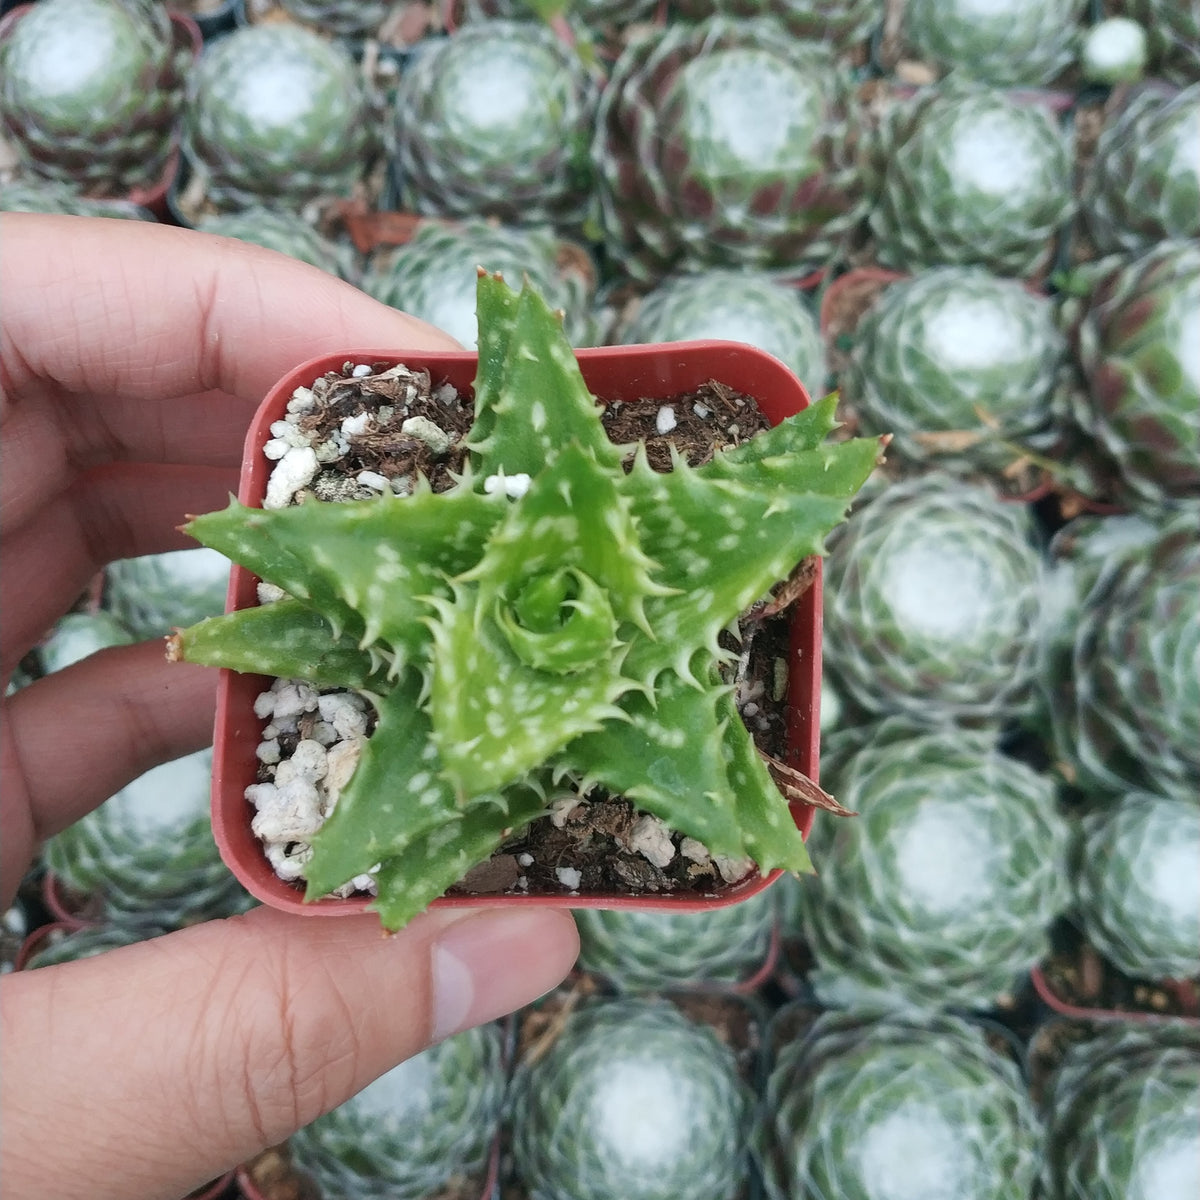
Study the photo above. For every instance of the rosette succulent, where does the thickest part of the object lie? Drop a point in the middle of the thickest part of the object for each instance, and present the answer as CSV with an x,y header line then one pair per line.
x,y
967,175
433,276
90,941
636,950
739,305
1122,1112
1124,687
1008,43
148,851
90,91
495,121
726,143
342,18
1137,889
593,15
1173,31
631,1100
1114,51
77,635
1143,183
423,1126
277,115
931,602
49,196
842,23
280,230
941,891
582,605
868,1106
965,369
150,594
1137,346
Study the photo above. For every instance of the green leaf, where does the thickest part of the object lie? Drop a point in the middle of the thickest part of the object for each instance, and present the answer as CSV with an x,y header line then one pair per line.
x,y
533,402
439,858
286,639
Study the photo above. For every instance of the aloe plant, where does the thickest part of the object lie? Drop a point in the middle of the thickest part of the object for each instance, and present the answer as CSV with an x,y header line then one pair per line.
x,y
565,637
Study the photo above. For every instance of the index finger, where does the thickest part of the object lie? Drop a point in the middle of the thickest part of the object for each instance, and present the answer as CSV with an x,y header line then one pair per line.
x,y
122,308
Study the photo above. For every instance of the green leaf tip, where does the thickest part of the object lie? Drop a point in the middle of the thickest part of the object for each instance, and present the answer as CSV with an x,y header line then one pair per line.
x,y
563,625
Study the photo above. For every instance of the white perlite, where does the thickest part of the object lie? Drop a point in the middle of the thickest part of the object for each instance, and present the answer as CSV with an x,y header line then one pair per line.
x,y
651,838
513,486
665,421
569,877
434,436
295,470
561,809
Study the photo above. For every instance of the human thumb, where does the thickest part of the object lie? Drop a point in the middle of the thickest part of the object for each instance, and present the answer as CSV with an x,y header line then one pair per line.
x,y
150,1069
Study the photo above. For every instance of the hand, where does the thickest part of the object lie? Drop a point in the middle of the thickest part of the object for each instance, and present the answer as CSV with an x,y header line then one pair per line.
x,y
131,360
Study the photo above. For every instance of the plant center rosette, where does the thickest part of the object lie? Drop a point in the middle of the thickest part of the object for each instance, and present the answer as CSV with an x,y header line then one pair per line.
x,y
548,624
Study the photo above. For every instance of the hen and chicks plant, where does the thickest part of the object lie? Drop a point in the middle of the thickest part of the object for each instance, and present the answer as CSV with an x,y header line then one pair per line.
x,y
516,646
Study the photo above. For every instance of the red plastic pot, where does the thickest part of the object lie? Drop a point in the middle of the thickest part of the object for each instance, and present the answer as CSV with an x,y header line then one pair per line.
x,y
652,373
1184,991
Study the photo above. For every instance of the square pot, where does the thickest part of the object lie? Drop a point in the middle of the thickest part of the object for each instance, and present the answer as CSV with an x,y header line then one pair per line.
x,y
650,373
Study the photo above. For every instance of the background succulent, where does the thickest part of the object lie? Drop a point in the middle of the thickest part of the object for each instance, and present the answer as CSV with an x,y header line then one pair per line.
x,y
89,941
866,1106
433,276
1121,1115
283,231
1137,349
1137,890
964,369
630,1100
1114,50
495,122
1124,692
1011,43
682,184
637,950
50,196
421,1127
1173,31
845,24
967,175
342,18
90,91
741,305
1143,183
148,852
152,594
931,597
941,892
277,114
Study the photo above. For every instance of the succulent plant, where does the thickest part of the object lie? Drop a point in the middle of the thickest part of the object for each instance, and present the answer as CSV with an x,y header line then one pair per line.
x,y
1173,31
1122,1111
585,613
433,276
638,950
495,122
283,231
90,91
1114,51
1124,691
868,1106
148,851
741,305
1137,348
965,369
595,15
1143,183
342,18
932,592
423,1126
941,892
151,594
49,196
967,175
725,143
631,1100
77,635
277,115
90,941
842,23
1009,43
1137,890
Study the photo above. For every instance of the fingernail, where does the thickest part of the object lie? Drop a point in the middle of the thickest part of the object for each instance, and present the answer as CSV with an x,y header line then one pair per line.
x,y
494,963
